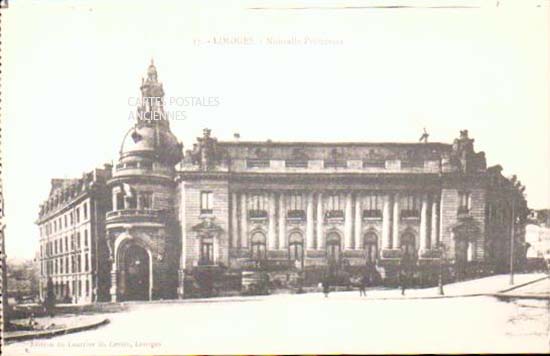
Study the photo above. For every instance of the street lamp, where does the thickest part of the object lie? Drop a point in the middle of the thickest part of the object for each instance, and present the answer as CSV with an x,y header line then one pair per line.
x,y
512,238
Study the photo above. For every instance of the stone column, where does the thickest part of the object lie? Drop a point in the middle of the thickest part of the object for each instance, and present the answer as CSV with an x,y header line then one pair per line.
x,y
320,222
424,240
348,223
115,207
113,291
244,221
310,234
282,222
435,223
386,223
234,220
358,222
272,233
396,217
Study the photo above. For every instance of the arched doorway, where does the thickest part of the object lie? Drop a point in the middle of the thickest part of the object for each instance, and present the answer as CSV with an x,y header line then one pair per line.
x,y
258,243
296,249
408,245
371,247
334,248
135,273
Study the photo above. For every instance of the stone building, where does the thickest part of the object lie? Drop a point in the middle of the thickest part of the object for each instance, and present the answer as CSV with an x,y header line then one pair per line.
x,y
176,222
73,252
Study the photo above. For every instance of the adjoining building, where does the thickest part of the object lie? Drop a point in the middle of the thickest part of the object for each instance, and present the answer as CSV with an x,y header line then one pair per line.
x,y
72,238
172,223
537,235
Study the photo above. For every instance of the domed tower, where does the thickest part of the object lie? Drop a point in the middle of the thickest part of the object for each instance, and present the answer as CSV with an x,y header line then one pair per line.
x,y
141,229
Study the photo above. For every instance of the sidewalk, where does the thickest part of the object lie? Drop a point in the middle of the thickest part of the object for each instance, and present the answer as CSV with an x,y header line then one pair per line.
x,y
493,285
58,325
536,290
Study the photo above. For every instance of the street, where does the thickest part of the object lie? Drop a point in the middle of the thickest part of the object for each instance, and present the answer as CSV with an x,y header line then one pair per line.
x,y
310,323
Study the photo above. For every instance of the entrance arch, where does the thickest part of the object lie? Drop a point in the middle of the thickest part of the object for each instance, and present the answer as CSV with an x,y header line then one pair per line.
x,y
135,273
408,245
334,248
370,242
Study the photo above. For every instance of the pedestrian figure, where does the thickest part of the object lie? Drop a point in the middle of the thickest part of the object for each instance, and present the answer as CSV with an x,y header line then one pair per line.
x,y
403,273
326,287
403,281
363,285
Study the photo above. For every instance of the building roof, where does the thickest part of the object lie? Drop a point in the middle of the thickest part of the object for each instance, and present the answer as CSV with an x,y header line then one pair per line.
x,y
334,150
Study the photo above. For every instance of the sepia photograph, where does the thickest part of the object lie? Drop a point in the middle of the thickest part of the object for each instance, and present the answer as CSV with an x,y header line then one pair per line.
x,y
275,177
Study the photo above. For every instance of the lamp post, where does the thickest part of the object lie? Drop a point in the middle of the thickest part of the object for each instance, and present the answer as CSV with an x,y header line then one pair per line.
x,y
512,238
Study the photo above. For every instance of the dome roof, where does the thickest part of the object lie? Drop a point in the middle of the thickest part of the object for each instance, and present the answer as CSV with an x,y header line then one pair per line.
x,y
151,140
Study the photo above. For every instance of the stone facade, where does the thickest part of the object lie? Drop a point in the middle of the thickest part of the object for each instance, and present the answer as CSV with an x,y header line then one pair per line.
x,y
176,221
72,238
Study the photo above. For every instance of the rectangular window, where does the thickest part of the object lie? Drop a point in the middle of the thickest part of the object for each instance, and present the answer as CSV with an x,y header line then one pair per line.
x,y
410,207
206,252
65,220
85,238
257,163
257,206
335,206
86,263
335,164
296,207
464,204
66,243
412,164
80,288
119,201
146,200
87,288
374,164
85,210
207,202
296,163
71,218
78,240
77,215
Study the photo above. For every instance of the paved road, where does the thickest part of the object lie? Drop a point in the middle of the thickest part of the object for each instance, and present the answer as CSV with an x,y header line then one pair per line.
x,y
312,324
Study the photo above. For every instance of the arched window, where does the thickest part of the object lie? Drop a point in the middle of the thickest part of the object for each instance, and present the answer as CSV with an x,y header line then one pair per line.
x,y
408,245
333,248
258,245
371,247
296,246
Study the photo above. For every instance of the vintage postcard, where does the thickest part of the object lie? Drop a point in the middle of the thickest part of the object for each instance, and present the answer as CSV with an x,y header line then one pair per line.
x,y
275,177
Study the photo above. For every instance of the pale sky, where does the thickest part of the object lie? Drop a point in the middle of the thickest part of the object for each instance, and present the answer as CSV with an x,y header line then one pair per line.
x,y
69,69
